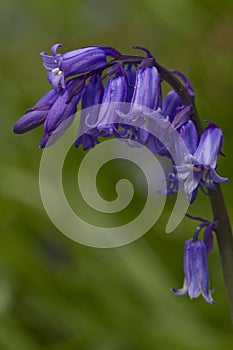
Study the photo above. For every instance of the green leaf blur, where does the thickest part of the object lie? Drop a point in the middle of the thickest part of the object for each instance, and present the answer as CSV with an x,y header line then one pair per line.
x,y
56,294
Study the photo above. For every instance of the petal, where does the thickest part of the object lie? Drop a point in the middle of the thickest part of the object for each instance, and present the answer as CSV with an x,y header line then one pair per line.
x,y
213,176
183,171
209,146
194,286
208,297
190,268
202,270
50,138
156,146
92,97
77,86
182,116
188,251
189,134
61,110
112,103
82,61
131,80
170,104
182,291
54,49
56,79
50,62
192,182
147,92
47,100
30,121
36,116
87,141
193,195
142,136
116,90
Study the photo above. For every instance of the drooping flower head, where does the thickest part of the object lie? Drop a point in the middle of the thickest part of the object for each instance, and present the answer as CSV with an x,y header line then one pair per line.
x,y
196,273
101,75
196,281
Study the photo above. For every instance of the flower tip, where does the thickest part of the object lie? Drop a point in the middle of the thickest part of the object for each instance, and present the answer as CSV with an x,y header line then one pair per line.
x,y
20,127
44,141
16,129
181,291
209,299
173,290
54,48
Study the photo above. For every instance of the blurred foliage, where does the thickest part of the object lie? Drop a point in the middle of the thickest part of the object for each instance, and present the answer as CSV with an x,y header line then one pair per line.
x,y
54,293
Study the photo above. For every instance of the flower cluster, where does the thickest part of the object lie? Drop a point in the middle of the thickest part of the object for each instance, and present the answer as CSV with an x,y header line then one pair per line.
x,y
121,96
102,76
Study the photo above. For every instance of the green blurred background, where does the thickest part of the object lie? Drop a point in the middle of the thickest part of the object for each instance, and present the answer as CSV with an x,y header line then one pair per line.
x,y
56,294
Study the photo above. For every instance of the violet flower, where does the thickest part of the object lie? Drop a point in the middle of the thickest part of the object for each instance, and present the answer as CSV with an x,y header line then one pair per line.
x,y
204,159
88,133
147,90
62,66
196,273
115,95
61,114
36,115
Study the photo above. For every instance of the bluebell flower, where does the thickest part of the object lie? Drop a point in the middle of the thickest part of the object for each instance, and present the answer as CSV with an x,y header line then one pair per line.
x,y
196,273
147,90
188,132
202,170
131,81
171,104
88,132
69,74
62,66
115,95
36,115
61,113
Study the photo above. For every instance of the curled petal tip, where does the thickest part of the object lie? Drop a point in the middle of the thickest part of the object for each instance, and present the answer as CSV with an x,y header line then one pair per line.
x,y
181,291
54,48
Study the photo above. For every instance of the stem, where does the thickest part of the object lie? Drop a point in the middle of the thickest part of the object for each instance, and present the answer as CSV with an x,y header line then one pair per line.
x,y
182,92
225,241
198,229
223,230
